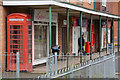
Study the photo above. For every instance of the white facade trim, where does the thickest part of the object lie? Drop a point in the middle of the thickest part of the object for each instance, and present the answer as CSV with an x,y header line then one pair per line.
x,y
65,5
32,42
20,3
57,32
46,16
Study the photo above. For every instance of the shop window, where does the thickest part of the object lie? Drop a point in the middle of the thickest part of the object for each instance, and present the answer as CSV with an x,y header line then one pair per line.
x,y
104,3
89,1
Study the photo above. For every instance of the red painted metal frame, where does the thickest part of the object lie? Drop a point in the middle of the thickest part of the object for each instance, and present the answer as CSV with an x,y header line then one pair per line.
x,y
24,21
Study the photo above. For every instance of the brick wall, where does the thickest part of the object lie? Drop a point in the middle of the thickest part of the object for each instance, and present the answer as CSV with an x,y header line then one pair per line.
x,y
112,8
83,3
109,7
2,33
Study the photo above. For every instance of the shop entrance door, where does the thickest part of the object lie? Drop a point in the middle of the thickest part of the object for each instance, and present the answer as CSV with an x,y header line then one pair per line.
x,y
76,35
40,43
64,40
53,36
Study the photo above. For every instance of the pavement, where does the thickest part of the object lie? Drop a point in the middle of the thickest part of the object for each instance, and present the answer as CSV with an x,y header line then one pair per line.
x,y
117,65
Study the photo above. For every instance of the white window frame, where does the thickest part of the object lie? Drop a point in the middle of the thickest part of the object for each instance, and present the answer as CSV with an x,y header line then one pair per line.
x,y
104,3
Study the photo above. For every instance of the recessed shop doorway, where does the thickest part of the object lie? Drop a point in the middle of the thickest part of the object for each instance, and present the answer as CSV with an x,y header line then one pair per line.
x,y
64,40
41,42
53,36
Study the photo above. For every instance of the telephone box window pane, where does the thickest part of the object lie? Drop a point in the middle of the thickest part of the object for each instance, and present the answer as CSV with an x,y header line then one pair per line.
x,y
21,61
29,36
29,32
16,37
29,46
15,27
16,41
21,27
11,27
14,51
11,46
29,51
17,47
14,32
30,42
29,60
29,55
29,27
11,42
21,56
21,51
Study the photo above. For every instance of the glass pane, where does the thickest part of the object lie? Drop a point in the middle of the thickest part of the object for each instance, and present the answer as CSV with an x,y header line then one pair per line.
x,y
29,60
29,51
16,37
29,56
29,27
16,41
17,47
40,41
14,26
29,32
29,36
16,32
29,42
29,47
11,51
14,51
11,46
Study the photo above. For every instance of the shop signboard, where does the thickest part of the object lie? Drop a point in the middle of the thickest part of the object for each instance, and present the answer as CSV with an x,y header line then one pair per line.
x,y
76,22
42,15
110,48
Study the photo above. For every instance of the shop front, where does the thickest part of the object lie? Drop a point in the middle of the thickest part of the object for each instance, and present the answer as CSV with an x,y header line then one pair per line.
x,y
103,36
41,35
76,33
43,20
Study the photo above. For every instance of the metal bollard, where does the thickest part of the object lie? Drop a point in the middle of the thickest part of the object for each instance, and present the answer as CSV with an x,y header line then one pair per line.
x,y
55,63
52,65
47,67
90,69
113,65
17,66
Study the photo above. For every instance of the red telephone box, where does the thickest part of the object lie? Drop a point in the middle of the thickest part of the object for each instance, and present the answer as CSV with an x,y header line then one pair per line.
x,y
19,39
